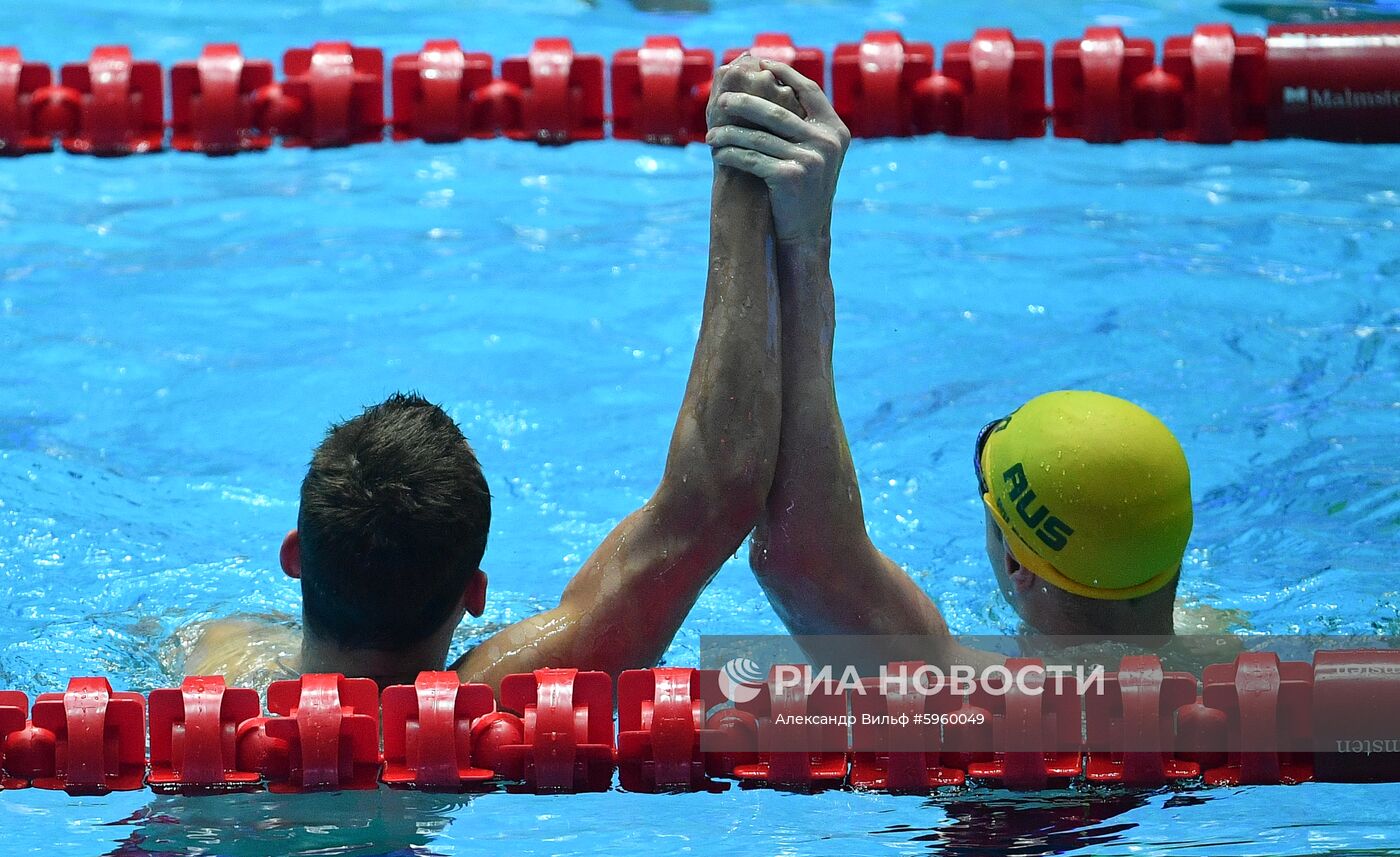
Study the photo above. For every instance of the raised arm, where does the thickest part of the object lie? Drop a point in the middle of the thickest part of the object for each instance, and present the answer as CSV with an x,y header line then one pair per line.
x,y
811,553
624,606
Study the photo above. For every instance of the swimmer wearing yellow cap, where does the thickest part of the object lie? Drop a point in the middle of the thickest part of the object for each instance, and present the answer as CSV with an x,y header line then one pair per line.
x,y
1088,507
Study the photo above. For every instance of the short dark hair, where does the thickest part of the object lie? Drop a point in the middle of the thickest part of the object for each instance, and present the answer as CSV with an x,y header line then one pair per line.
x,y
394,517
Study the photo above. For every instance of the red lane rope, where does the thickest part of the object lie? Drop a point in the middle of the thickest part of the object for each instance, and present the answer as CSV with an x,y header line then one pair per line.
x,y
1325,81
1257,720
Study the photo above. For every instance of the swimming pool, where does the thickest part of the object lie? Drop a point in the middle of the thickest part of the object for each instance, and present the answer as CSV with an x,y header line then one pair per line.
x,y
178,331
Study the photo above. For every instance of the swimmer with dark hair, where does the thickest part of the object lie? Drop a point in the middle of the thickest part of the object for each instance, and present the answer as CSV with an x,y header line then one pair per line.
x,y
1087,496
395,511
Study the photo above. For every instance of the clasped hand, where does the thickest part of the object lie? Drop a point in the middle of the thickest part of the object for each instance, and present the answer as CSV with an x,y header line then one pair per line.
x,y
769,121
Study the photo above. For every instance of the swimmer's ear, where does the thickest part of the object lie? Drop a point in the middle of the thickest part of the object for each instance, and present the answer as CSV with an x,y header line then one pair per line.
x,y
291,555
475,597
1021,577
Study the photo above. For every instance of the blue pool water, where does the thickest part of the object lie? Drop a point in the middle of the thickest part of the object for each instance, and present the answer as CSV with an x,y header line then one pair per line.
x,y
177,332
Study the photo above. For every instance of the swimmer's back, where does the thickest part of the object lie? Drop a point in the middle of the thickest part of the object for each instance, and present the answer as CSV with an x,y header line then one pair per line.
x,y
248,651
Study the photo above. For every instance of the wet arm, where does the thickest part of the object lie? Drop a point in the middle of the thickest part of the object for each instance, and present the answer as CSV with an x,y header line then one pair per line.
x,y
625,605
811,553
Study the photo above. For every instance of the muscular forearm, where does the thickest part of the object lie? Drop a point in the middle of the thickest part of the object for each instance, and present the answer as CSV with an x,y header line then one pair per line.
x,y
725,442
815,493
813,511
624,606
815,560
811,553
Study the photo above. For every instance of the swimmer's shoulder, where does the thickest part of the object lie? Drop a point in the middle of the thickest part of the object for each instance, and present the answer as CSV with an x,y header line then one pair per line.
x,y
1204,635
237,647
1193,617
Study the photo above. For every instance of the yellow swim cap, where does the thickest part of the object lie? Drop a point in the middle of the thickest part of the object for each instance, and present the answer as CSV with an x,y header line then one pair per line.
x,y
1092,493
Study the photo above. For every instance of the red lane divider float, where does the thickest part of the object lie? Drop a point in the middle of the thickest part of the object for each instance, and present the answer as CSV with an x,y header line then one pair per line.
x,y
552,95
332,94
194,735
560,94
438,94
1255,721
329,727
1094,79
801,740
991,87
659,91
1328,81
1210,87
897,735
566,739
22,87
218,102
431,733
1266,707
1128,728
873,83
109,105
661,725
87,740
1034,727
1223,83
14,712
